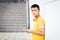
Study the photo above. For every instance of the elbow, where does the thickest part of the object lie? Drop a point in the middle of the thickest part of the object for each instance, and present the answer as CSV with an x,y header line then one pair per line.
x,y
43,34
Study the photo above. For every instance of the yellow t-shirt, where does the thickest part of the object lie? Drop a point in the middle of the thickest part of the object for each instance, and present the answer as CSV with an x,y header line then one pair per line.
x,y
36,27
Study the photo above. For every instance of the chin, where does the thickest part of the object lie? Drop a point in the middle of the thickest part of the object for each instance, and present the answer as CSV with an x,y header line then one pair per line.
x,y
34,16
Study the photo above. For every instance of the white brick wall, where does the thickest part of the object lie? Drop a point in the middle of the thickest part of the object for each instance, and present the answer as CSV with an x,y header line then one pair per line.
x,y
15,36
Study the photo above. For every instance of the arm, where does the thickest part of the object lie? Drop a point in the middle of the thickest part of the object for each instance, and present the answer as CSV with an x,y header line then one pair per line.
x,y
41,32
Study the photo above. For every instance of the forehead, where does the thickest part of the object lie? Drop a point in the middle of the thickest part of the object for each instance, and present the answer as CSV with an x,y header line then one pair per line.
x,y
34,8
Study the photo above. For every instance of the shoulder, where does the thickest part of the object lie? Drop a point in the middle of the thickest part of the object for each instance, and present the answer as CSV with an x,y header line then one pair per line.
x,y
41,19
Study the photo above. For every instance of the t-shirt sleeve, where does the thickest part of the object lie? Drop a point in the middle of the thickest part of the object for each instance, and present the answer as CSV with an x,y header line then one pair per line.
x,y
41,23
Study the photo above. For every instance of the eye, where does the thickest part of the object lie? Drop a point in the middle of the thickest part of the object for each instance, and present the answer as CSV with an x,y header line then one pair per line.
x,y
35,10
32,10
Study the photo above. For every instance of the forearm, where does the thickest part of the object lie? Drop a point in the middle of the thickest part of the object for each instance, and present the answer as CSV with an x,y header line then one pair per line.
x,y
38,33
34,32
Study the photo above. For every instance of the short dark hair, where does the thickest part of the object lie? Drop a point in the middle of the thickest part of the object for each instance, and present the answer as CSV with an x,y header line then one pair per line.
x,y
35,5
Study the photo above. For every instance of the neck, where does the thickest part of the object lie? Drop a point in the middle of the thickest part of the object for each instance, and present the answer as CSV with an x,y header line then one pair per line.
x,y
37,16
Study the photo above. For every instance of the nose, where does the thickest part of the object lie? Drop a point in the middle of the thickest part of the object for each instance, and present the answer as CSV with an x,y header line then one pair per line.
x,y
33,11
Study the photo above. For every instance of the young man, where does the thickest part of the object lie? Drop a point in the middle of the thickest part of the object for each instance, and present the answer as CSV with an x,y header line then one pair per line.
x,y
38,30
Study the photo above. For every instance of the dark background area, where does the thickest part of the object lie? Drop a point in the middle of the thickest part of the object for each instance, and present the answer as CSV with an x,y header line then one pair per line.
x,y
12,1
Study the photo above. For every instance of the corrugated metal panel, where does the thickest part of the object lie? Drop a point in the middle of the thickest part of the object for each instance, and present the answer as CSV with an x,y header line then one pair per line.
x,y
13,17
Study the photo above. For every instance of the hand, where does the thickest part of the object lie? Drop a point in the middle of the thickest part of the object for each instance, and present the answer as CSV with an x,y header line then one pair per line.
x,y
29,31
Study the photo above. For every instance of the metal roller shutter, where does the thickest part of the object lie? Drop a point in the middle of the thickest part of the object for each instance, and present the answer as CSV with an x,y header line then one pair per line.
x,y
13,17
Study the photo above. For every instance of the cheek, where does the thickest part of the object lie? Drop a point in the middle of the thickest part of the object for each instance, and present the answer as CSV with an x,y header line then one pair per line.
x,y
36,12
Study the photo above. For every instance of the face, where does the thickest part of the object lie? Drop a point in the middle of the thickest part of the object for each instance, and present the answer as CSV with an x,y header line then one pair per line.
x,y
35,11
